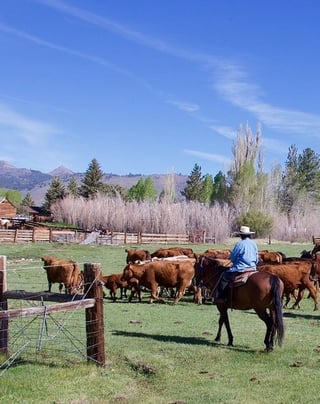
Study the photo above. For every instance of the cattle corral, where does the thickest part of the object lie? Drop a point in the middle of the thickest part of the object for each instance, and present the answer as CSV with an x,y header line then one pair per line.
x,y
169,347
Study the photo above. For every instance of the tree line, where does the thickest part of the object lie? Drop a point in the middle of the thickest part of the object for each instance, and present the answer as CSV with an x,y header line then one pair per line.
x,y
283,202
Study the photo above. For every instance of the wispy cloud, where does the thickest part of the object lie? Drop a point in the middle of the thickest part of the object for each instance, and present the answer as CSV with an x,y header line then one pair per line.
x,y
225,131
275,145
39,41
234,86
230,79
184,106
122,30
29,130
217,158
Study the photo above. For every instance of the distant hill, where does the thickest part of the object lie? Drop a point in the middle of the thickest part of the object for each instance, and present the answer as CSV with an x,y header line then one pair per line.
x,y
36,183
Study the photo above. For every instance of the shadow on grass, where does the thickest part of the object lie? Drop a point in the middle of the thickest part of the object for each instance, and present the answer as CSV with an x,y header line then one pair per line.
x,y
183,340
300,315
294,314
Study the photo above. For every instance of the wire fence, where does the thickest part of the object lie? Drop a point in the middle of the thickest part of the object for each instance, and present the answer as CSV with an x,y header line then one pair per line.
x,y
48,336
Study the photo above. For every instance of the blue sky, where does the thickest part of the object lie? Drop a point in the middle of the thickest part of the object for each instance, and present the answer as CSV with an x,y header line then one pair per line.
x,y
155,86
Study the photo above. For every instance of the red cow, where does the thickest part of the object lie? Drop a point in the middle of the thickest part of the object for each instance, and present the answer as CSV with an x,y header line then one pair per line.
x,y
65,272
294,275
168,274
113,282
134,255
172,252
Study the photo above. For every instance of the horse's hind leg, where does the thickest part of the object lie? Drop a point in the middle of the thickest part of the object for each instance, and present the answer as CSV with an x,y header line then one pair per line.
x,y
270,332
224,319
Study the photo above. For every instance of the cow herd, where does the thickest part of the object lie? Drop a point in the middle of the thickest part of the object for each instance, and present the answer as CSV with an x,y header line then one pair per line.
x,y
174,269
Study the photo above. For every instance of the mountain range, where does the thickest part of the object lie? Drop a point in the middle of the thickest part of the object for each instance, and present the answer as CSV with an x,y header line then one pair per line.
x,y
36,182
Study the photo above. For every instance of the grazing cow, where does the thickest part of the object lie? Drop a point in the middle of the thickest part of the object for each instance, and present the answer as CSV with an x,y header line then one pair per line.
x,y
172,252
114,282
175,274
134,255
65,272
294,275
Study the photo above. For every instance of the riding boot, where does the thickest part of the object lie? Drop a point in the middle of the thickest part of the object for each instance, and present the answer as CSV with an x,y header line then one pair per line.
x,y
220,292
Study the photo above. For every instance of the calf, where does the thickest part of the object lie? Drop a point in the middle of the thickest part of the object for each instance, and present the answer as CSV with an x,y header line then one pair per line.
x,y
113,282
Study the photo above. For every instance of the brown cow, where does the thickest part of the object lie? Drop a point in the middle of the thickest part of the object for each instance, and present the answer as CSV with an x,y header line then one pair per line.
x,y
172,252
65,272
134,255
114,282
174,274
294,275
272,257
216,253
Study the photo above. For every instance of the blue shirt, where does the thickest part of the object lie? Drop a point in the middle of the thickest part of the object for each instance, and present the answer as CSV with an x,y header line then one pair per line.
x,y
244,255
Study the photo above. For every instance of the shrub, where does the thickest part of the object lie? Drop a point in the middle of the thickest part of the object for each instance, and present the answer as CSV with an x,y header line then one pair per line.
x,y
257,221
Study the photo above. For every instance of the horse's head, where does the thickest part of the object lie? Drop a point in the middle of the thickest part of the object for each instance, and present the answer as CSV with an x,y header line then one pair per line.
x,y
208,270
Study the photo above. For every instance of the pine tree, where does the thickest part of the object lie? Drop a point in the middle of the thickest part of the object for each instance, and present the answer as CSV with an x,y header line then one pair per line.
x,y
289,189
72,187
309,173
92,182
27,200
206,189
192,191
55,192
220,191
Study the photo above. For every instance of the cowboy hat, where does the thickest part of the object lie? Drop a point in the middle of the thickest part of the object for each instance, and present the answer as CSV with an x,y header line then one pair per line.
x,y
244,230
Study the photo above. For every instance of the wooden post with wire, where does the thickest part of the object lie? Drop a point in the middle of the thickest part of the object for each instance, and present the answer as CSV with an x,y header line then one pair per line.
x,y
94,315
4,323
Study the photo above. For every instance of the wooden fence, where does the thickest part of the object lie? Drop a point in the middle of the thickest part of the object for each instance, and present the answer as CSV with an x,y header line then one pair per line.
x,y
37,235
91,301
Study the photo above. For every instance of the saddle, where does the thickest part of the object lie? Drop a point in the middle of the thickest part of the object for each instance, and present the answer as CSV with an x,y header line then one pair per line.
x,y
242,278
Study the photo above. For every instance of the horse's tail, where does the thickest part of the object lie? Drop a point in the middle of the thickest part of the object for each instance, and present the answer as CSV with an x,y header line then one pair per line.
x,y
277,298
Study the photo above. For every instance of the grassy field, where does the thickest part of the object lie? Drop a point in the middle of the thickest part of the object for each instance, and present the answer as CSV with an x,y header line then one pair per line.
x,y
162,353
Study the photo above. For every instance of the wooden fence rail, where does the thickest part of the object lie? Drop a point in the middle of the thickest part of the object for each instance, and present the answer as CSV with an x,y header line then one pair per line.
x,y
37,235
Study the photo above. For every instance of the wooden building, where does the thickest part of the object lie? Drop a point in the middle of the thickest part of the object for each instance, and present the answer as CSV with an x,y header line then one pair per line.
x,y
7,209
39,214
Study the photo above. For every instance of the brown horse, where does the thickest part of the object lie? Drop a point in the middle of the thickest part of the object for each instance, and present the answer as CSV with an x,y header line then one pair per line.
x,y
262,292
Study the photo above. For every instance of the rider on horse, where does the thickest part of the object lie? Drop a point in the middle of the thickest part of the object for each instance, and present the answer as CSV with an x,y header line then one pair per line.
x,y
244,257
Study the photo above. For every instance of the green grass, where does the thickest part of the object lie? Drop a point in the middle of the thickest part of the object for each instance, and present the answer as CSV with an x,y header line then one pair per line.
x,y
162,353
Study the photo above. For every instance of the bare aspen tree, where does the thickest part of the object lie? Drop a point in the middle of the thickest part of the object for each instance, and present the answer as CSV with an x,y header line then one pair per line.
x,y
248,182
169,190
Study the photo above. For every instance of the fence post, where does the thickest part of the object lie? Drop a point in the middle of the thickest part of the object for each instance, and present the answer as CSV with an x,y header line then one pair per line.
x,y
94,315
4,323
